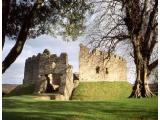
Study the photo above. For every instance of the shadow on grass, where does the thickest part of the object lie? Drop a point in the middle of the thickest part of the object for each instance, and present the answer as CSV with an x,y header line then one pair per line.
x,y
75,110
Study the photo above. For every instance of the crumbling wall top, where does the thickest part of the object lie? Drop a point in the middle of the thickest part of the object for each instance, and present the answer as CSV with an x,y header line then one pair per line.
x,y
97,53
46,52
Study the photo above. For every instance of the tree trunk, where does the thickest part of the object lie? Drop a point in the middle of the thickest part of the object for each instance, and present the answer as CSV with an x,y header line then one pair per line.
x,y
140,88
5,12
18,47
145,87
136,91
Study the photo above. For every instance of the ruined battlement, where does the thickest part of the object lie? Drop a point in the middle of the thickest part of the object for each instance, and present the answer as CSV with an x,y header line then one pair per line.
x,y
101,66
44,63
97,53
63,58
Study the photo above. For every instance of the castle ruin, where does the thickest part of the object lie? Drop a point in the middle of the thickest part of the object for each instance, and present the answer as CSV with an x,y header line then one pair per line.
x,y
95,65
52,74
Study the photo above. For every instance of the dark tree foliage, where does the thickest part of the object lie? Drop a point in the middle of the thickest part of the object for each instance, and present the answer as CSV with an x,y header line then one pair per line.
x,y
30,18
46,16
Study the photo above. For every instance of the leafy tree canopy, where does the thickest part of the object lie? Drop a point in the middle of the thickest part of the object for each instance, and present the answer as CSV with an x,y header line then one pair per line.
x,y
65,15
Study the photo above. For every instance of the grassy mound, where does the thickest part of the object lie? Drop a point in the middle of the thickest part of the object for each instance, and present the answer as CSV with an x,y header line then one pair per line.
x,y
22,90
102,90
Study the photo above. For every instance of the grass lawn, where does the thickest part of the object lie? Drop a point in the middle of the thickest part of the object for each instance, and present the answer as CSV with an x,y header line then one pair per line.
x,y
92,101
30,108
102,91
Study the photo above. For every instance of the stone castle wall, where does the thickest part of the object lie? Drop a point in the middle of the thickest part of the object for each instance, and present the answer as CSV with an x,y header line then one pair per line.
x,y
94,66
67,84
50,74
44,64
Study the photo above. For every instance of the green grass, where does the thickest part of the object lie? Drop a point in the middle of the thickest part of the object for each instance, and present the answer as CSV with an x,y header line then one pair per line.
x,y
29,108
102,91
91,101
26,89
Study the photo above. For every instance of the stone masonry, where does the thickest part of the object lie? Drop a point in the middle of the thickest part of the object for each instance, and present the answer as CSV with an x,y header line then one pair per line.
x,y
94,66
50,74
53,74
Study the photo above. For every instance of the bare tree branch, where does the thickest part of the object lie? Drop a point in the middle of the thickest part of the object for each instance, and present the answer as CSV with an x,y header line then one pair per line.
x,y
150,23
153,65
136,23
